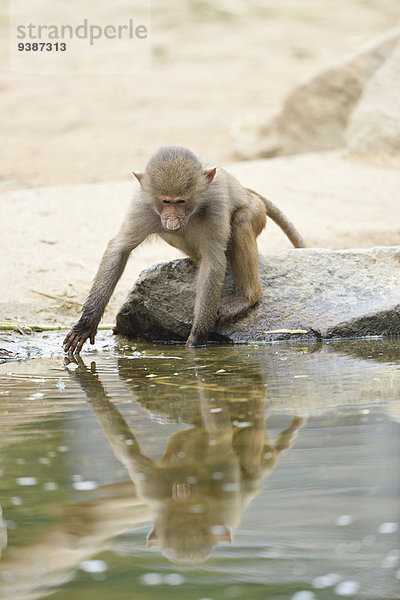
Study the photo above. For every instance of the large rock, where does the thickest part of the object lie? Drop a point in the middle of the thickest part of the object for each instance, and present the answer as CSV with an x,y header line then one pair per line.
x,y
311,293
315,115
374,127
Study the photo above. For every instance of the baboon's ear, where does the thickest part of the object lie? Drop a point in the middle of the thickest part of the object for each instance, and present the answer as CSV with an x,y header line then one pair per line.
x,y
138,175
152,539
210,173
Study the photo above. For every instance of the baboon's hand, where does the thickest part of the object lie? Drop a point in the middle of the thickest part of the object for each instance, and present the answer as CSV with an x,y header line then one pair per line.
x,y
194,341
78,335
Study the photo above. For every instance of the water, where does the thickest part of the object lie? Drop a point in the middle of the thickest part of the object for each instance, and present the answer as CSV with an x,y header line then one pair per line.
x,y
144,472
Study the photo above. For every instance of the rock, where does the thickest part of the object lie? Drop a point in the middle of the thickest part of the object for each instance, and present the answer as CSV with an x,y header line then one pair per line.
x,y
308,293
374,126
315,115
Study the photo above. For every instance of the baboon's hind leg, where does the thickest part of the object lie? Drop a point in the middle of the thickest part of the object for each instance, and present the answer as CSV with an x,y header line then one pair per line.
x,y
243,258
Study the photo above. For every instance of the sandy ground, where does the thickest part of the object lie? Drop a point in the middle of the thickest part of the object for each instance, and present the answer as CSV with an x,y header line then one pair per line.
x,y
213,63
210,68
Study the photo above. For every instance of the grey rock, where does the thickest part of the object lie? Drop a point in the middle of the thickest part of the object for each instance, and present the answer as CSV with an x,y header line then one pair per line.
x,y
308,293
315,114
374,126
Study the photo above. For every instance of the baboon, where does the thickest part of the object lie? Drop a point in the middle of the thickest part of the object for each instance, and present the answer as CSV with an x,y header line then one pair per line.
x,y
209,473
208,215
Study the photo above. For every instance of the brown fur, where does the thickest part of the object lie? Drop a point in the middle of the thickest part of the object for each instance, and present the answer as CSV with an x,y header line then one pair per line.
x,y
193,510
212,219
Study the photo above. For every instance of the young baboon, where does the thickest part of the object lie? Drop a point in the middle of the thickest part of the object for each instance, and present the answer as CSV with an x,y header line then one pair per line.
x,y
205,213
210,472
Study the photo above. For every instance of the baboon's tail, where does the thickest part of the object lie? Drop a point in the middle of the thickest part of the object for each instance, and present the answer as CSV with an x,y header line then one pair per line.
x,y
281,220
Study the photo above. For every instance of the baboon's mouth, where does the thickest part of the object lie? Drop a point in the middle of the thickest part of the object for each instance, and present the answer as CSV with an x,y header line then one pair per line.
x,y
173,225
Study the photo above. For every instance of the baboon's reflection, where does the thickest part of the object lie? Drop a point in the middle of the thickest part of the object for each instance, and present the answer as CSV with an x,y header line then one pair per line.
x,y
208,473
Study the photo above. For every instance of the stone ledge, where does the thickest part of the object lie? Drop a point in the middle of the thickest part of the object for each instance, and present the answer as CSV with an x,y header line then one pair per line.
x,y
310,293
